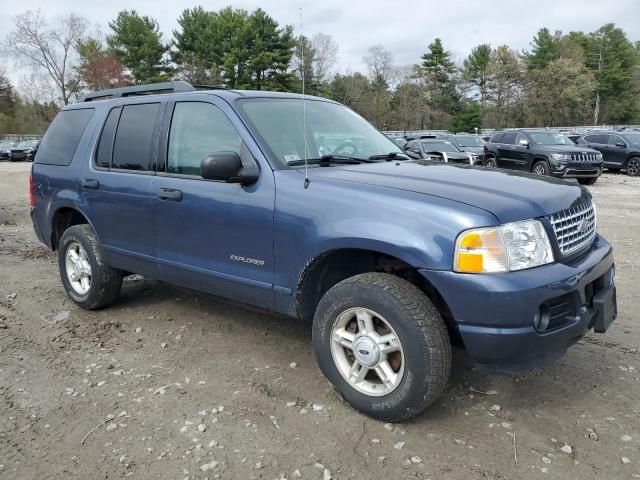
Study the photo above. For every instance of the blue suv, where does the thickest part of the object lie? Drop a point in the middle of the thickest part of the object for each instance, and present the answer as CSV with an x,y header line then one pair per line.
x,y
298,205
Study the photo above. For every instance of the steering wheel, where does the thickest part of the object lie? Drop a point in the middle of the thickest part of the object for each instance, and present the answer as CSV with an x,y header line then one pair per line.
x,y
343,145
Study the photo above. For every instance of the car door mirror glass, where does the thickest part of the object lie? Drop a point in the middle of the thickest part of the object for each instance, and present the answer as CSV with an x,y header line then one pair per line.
x,y
524,143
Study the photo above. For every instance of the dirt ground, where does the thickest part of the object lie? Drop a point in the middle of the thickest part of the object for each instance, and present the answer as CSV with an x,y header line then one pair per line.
x,y
192,387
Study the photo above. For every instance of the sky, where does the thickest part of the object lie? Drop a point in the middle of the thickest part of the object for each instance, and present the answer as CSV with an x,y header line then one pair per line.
x,y
404,27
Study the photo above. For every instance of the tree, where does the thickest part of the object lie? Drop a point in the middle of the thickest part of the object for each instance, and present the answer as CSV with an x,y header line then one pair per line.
x,y
48,50
505,89
303,66
98,68
476,69
8,98
137,42
439,73
379,62
271,50
325,56
546,48
198,51
467,119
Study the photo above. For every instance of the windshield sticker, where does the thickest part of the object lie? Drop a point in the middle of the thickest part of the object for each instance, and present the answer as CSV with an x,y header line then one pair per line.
x,y
291,157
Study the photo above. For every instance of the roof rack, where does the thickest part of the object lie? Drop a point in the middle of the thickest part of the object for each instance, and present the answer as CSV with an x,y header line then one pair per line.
x,y
149,89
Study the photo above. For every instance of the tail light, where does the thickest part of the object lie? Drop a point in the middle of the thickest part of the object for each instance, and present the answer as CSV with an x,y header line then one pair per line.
x,y
32,197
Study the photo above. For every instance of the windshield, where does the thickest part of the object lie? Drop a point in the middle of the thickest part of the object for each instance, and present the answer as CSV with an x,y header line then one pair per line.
x,y
439,147
331,129
633,138
470,141
549,138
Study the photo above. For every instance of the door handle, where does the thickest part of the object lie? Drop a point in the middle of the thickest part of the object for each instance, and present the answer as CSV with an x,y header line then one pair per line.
x,y
90,183
169,194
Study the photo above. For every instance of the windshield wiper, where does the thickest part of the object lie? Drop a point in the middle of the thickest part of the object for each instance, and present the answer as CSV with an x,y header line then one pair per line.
x,y
390,156
329,159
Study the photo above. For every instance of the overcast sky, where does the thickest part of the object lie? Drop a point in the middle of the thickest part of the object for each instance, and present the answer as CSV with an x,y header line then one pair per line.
x,y
404,27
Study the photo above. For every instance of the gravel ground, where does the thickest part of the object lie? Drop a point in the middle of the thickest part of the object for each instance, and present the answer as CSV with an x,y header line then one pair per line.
x,y
171,384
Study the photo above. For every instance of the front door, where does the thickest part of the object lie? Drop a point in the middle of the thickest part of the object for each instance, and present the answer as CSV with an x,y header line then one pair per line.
x,y
212,236
506,151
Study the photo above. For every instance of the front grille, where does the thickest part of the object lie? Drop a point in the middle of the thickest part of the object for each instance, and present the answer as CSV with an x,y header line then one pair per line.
x,y
575,227
583,157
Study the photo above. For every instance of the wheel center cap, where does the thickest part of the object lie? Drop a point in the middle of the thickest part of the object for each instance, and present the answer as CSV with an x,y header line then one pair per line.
x,y
366,351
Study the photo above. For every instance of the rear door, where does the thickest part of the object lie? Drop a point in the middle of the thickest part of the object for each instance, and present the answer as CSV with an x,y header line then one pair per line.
x,y
115,186
521,156
506,150
211,235
599,142
616,151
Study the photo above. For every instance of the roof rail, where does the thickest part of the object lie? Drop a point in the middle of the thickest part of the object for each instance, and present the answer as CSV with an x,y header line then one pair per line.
x,y
149,89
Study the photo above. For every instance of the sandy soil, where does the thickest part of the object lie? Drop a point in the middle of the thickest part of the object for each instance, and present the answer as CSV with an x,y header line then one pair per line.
x,y
192,387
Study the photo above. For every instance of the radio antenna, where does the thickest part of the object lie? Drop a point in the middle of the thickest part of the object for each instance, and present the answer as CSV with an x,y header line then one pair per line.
x,y
304,106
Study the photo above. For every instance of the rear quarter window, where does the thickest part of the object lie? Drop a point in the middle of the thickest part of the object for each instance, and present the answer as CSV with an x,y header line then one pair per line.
x,y
61,140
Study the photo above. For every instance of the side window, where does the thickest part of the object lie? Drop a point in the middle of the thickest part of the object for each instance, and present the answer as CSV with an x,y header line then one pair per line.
x,y
133,142
105,144
197,130
601,139
497,138
520,137
615,139
61,140
509,138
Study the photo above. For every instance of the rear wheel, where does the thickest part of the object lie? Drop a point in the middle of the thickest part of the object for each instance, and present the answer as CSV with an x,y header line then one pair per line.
x,y
633,166
383,345
87,279
540,168
587,181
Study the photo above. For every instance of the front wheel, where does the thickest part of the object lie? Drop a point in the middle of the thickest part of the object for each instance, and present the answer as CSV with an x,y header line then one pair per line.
x,y
383,345
587,181
88,280
490,162
540,168
633,166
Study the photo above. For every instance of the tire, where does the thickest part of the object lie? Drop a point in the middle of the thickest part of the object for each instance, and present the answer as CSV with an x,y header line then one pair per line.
x,y
633,166
104,282
421,366
587,181
540,168
490,162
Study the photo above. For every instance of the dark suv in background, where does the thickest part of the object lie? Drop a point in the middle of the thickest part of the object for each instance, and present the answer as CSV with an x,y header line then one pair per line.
x,y
543,153
620,150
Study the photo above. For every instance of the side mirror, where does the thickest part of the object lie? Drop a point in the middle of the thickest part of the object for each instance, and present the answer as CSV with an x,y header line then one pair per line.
x,y
524,143
226,167
621,145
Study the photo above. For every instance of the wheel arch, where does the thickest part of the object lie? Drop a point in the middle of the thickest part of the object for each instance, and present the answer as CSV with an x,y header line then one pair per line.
x,y
63,217
332,266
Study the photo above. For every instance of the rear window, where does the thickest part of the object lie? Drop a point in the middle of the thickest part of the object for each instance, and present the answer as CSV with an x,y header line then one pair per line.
x,y
134,137
61,140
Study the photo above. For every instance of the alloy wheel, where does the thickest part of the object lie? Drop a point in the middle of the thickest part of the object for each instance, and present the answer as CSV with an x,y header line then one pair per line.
x,y
78,268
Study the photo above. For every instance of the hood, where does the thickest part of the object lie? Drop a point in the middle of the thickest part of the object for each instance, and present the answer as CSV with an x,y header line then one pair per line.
x,y
476,150
564,149
509,195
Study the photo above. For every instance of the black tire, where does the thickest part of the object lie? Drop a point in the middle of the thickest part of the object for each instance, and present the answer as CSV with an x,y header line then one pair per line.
x,y
540,168
419,327
633,166
490,162
587,181
106,282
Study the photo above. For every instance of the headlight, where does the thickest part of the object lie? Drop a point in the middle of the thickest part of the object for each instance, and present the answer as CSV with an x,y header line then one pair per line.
x,y
561,157
510,247
598,156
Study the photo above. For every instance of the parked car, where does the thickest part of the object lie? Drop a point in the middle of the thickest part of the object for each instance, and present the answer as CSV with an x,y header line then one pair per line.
x,y
394,259
467,143
620,150
24,150
399,140
543,153
5,150
439,149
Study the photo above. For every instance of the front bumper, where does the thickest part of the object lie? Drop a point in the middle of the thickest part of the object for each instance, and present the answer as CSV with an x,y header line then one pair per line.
x,y
576,170
494,314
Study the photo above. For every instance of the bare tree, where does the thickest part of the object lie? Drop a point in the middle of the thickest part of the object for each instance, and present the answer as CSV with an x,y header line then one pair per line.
x,y
379,62
325,58
48,50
